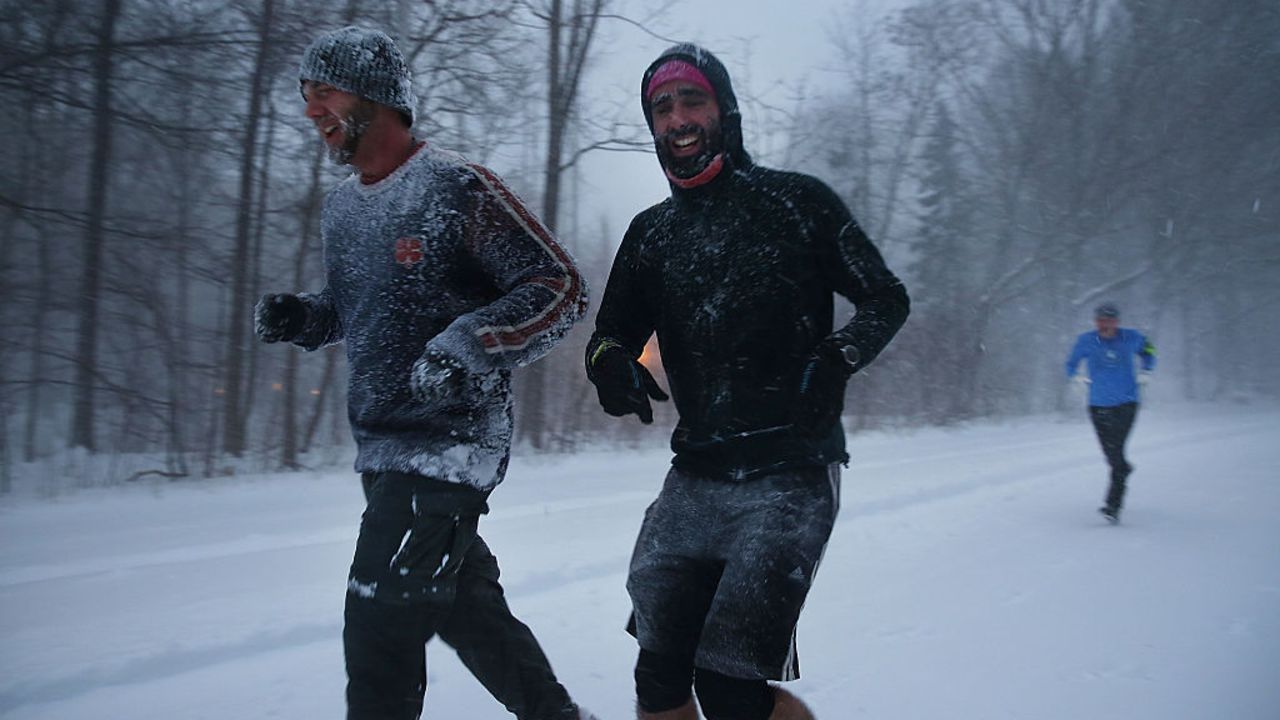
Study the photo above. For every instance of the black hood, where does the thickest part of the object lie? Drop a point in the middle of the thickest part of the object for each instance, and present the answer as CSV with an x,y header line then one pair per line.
x,y
713,69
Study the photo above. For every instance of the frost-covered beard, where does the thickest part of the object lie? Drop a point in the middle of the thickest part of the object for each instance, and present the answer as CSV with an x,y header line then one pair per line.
x,y
353,128
687,167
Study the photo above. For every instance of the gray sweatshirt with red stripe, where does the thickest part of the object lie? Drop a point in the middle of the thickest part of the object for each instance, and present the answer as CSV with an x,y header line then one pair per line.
x,y
440,255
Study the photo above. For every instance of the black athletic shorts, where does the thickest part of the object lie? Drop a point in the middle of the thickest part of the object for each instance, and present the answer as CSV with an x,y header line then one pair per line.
x,y
721,569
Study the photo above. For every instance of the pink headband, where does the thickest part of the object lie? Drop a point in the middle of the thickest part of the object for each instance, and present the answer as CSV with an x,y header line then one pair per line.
x,y
677,70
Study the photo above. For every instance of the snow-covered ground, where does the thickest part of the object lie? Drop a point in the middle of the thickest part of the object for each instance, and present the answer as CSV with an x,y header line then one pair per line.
x,y
968,577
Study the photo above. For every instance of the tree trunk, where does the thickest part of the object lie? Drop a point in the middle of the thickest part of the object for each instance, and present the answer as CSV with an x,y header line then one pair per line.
x,y
555,121
43,297
91,281
233,421
565,65
289,412
179,365
31,449
255,263
6,477
322,392
310,211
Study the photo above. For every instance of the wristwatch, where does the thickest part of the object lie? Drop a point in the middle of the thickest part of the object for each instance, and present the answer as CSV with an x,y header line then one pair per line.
x,y
850,355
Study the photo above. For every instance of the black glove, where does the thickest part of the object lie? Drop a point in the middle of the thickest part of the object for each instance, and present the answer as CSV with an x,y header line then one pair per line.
x,y
438,378
279,316
821,397
623,385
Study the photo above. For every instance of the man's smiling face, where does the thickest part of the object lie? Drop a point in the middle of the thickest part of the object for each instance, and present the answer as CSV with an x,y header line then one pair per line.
x,y
340,117
686,127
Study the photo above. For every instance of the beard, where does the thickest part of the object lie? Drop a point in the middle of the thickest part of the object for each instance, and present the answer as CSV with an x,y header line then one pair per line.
x,y
687,167
353,128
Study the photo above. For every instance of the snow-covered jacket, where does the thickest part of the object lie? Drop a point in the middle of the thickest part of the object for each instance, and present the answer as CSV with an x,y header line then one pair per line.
x,y
1110,364
438,254
737,277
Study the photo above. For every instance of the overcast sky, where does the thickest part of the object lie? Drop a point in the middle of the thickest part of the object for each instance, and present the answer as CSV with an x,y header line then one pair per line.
x,y
770,47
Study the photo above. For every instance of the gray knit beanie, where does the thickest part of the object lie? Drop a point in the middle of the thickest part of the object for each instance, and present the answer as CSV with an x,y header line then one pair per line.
x,y
365,63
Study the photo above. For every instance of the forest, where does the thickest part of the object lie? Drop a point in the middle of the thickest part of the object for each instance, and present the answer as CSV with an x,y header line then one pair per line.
x,y
1017,161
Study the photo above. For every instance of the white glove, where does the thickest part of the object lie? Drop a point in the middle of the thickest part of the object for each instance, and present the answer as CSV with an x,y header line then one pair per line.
x,y
1144,377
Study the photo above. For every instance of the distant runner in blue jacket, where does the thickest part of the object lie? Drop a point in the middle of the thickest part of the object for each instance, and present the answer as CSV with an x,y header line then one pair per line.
x,y
1108,353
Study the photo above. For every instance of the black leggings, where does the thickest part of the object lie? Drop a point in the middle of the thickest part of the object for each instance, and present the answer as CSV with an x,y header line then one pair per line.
x,y
1113,424
663,683
439,580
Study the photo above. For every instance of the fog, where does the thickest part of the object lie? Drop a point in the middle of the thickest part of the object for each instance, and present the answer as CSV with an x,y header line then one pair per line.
x,y
1017,163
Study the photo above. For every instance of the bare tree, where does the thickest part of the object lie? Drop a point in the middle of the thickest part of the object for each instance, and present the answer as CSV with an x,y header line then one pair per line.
x,y
1084,136
569,44
233,428
87,345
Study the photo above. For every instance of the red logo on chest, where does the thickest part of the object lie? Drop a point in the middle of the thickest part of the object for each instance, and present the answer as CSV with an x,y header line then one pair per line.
x,y
409,251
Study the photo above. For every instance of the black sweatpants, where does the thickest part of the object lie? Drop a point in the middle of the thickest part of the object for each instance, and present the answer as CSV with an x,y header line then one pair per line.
x,y
421,570
1113,424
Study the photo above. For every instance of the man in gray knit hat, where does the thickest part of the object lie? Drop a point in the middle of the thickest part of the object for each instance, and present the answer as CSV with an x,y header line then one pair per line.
x,y
440,282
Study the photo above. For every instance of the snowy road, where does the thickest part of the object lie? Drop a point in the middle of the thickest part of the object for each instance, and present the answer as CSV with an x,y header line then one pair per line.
x,y
968,577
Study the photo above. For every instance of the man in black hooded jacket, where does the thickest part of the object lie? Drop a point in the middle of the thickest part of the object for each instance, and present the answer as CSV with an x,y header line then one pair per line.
x,y
735,273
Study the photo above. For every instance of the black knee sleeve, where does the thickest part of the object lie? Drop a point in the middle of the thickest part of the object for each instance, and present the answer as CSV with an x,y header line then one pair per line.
x,y
663,682
722,696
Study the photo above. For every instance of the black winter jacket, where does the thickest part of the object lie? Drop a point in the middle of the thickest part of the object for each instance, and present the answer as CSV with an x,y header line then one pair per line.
x,y
737,278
